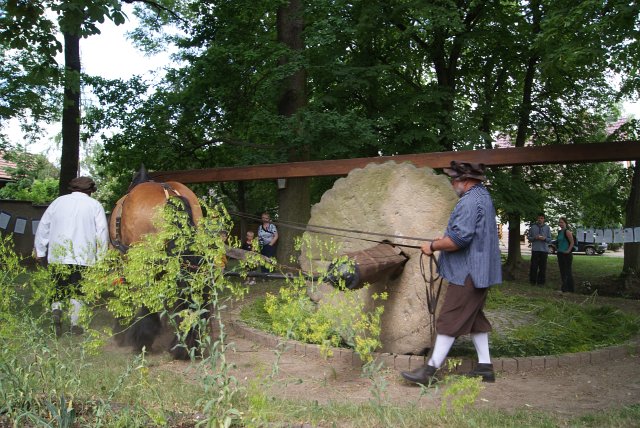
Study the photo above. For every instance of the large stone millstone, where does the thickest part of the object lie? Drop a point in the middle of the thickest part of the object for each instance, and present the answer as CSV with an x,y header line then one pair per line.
x,y
395,199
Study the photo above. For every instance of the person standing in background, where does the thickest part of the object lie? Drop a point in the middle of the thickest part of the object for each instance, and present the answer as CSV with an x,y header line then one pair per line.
x,y
565,255
267,236
540,238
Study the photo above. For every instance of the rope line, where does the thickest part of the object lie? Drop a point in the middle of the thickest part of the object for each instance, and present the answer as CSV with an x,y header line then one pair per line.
x,y
310,228
432,295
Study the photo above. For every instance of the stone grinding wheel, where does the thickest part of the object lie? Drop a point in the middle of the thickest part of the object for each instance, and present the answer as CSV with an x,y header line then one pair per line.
x,y
395,199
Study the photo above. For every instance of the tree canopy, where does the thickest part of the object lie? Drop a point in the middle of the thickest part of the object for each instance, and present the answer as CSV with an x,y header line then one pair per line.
x,y
381,77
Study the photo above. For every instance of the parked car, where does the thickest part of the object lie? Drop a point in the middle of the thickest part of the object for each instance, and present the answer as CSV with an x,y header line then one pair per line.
x,y
589,248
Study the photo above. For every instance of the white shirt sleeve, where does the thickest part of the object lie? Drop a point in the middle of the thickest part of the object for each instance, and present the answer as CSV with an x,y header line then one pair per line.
x,y
41,240
102,232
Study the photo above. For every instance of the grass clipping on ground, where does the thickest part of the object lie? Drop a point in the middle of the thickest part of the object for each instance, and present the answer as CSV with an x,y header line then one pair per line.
x,y
553,326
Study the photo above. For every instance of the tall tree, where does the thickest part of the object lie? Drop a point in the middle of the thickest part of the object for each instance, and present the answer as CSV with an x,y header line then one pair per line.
x,y
70,159
294,199
75,19
523,133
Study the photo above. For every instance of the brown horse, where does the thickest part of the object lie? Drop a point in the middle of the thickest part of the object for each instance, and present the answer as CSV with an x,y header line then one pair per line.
x,y
132,216
131,219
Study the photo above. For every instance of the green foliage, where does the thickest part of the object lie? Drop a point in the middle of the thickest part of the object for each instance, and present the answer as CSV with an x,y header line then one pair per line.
x,y
155,276
154,279
512,194
30,78
11,269
591,195
460,393
341,319
38,191
35,178
382,78
28,71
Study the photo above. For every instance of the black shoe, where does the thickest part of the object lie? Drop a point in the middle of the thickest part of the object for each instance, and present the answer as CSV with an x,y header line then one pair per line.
x,y
77,330
57,322
485,371
424,375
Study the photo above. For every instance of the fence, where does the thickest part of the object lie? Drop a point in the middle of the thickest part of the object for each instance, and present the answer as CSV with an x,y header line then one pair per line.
x,y
20,218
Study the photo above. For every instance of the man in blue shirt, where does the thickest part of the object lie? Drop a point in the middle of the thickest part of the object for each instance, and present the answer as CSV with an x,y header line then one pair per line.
x,y
470,262
540,238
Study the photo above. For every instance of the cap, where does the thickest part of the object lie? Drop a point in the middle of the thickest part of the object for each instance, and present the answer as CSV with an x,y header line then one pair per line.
x,y
466,170
82,184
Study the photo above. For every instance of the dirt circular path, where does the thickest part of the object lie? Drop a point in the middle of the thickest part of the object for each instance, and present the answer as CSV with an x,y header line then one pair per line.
x,y
565,391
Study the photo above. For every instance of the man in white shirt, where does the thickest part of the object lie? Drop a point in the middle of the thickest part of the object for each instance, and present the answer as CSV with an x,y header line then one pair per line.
x,y
72,231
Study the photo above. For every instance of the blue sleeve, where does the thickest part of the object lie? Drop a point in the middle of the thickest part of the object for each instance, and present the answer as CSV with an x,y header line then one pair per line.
x,y
462,224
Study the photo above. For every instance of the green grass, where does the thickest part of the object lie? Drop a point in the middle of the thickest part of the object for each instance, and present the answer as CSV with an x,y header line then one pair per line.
x,y
594,269
343,414
255,315
558,326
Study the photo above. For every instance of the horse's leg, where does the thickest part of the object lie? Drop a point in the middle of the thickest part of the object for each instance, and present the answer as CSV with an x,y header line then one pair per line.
x,y
180,350
144,330
120,333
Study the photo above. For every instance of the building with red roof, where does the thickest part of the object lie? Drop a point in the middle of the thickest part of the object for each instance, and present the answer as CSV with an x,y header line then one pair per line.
x,y
5,177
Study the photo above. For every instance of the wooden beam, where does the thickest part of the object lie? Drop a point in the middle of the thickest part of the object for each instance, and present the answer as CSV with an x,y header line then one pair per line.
x,y
556,154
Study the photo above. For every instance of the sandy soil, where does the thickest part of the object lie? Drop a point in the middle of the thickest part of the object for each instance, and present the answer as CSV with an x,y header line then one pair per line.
x,y
564,392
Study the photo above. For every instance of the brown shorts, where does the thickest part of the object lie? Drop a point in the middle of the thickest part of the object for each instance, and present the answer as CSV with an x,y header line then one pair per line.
x,y
462,310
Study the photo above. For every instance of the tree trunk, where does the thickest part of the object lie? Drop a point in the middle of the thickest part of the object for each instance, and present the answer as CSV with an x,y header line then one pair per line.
x,y
294,199
514,257
70,160
631,264
242,207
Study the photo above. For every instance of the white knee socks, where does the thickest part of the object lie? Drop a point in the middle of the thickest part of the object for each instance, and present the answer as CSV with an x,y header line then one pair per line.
x,y
76,306
440,350
481,343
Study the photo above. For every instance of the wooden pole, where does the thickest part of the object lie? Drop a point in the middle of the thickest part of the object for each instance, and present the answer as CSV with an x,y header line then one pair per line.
x,y
555,154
